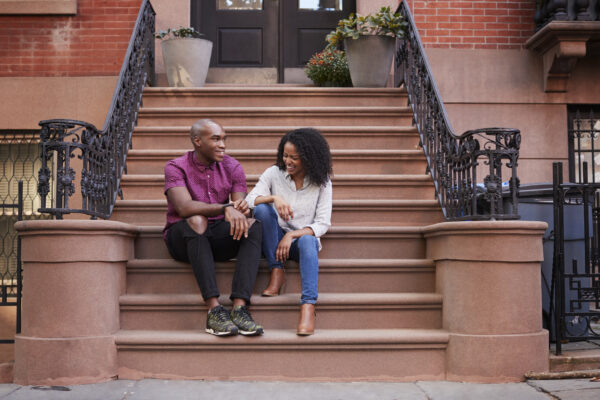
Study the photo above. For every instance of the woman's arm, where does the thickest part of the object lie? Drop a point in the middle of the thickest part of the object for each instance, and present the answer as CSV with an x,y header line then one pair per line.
x,y
283,208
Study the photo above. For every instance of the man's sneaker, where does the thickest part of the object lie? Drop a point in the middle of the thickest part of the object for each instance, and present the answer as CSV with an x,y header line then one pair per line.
x,y
242,318
219,322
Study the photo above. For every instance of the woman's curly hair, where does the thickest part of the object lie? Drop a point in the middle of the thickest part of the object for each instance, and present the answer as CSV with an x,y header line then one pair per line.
x,y
314,154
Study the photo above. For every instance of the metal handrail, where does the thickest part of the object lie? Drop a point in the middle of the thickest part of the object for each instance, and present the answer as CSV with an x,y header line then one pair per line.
x,y
103,153
454,161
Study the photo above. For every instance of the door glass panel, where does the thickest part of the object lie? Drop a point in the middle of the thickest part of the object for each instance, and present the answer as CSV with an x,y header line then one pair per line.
x,y
321,5
239,4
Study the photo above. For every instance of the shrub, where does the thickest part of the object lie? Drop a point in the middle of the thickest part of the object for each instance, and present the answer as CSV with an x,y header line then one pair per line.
x,y
329,68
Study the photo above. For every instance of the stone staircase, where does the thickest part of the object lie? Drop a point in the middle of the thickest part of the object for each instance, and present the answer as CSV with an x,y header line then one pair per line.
x,y
378,316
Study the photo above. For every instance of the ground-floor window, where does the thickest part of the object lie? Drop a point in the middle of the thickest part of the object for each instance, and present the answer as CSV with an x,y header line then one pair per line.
x,y
584,142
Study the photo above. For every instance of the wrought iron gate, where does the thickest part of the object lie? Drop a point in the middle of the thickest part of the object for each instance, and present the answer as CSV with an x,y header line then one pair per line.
x,y
19,163
576,261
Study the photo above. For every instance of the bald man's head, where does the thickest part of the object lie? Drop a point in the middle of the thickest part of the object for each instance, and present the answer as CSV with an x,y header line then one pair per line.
x,y
208,138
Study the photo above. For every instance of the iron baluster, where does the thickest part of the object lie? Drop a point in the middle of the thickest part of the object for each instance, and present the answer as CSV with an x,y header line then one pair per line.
x,y
453,160
102,152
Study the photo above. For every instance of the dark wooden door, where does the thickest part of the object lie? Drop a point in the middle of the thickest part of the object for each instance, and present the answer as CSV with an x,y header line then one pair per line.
x,y
305,25
267,33
244,32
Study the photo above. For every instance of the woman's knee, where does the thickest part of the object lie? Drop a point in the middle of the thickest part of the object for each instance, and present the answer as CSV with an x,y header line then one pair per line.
x,y
262,211
198,223
308,243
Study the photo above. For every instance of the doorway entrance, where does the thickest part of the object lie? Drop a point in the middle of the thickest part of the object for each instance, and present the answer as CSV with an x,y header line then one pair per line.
x,y
278,36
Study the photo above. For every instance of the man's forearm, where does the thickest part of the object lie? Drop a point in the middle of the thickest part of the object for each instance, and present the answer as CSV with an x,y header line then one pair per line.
x,y
192,207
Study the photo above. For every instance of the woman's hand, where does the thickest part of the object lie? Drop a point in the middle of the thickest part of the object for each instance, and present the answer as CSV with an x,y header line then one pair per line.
x,y
283,249
242,206
283,208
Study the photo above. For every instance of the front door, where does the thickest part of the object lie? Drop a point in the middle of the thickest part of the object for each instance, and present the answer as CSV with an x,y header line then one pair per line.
x,y
280,35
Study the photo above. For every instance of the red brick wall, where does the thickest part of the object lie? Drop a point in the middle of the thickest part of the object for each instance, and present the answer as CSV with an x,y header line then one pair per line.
x,y
93,42
475,24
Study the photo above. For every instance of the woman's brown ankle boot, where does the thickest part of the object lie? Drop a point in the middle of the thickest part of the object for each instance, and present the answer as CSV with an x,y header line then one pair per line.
x,y
275,283
306,325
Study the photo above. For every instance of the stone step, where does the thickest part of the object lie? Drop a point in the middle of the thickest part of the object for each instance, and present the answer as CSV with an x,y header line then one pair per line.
x,y
150,187
330,354
334,311
295,116
256,161
576,356
268,137
340,242
271,96
162,276
345,212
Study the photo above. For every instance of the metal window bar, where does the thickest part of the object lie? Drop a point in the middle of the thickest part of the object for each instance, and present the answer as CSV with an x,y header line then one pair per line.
x,y
584,142
456,163
575,296
100,154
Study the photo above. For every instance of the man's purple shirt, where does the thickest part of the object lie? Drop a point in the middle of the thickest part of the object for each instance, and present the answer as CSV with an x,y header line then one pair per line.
x,y
206,183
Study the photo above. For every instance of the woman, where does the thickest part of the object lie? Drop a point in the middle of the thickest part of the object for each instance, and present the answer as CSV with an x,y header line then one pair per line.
x,y
292,199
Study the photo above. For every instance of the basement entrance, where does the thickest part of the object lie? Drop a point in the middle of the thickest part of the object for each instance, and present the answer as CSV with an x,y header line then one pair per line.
x,y
265,41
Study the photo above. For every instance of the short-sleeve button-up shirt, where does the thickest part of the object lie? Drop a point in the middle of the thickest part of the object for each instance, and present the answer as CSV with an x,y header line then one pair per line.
x,y
210,184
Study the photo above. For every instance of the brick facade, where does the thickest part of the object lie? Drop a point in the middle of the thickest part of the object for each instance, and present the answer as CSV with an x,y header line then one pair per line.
x,y
475,24
91,43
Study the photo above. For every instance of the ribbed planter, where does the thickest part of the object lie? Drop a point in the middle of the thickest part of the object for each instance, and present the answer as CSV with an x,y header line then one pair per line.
x,y
370,59
186,61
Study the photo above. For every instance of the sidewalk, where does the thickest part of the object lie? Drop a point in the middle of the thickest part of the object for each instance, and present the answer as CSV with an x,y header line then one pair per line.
x,y
150,389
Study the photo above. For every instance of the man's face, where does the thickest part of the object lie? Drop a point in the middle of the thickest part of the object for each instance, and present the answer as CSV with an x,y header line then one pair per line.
x,y
210,144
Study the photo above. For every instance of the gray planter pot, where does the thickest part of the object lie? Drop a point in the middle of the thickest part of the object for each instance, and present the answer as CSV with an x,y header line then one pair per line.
x,y
186,61
370,59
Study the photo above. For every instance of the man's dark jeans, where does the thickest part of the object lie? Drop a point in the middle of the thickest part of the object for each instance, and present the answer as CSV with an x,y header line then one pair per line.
x,y
216,243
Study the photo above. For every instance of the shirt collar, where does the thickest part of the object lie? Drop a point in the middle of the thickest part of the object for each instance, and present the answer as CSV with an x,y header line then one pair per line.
x,y
200,165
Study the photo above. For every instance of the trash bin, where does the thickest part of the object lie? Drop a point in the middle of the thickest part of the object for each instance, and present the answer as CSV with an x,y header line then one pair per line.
x,y
536,204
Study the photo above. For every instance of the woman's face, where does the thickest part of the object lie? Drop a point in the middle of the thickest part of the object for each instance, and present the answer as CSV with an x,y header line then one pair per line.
x,y
292,160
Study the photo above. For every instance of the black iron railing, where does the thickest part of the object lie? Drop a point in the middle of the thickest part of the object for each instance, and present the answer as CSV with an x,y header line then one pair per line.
x,y
576,262
457,162
101,154
565,10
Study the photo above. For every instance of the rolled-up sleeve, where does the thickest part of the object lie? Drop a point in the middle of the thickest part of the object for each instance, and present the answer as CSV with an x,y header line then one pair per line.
x,y
174,176
322,220
238,180
262,188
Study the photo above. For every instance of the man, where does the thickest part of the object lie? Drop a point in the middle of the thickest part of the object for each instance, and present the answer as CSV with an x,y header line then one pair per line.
x,y
204,226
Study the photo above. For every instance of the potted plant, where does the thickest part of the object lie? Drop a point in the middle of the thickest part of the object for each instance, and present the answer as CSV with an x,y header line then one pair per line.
x,y
186,56
329,68
369,42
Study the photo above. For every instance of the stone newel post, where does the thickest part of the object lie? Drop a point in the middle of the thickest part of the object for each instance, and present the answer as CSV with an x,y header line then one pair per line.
x,y
73,275
489,274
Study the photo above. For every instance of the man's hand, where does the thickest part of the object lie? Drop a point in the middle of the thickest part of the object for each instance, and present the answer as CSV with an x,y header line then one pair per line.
x,y
283,249
242,207
283,208
237,221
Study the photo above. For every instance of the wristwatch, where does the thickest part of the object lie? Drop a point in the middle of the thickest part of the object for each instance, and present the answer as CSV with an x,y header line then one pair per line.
x,y
225,206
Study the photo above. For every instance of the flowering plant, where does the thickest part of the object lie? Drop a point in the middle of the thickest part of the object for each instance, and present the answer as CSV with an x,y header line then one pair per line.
x,y
329,68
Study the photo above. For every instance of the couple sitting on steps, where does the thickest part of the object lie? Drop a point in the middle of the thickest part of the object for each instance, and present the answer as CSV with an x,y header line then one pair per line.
x,y
208,219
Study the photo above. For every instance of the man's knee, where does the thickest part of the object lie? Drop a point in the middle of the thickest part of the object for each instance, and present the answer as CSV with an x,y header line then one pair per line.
x,y
198,223
254,226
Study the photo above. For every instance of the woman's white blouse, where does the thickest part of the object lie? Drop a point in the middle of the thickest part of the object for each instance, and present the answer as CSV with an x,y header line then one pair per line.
x,y
311,204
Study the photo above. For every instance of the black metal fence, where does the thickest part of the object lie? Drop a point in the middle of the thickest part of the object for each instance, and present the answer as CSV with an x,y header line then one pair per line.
x,y
19,160
565,10
98,155
467,170
576,261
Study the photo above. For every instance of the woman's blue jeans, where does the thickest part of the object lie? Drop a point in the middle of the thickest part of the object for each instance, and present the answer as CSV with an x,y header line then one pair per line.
x,y
304,250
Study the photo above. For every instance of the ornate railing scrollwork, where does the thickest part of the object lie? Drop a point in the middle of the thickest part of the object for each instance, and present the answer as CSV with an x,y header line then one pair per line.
x,y
100,155
455,162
